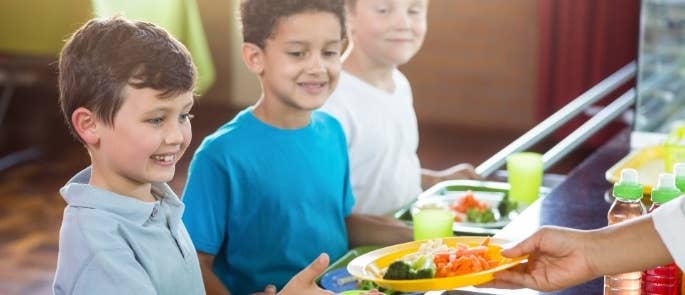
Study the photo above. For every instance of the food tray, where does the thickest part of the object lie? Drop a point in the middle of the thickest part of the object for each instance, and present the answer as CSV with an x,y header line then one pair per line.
x,y
449,188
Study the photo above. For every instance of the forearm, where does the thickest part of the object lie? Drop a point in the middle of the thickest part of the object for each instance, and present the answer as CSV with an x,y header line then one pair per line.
x,y
376,230
628,246
460,171
429,178
213,286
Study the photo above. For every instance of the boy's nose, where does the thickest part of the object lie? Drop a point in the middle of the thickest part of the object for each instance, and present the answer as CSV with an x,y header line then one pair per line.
x,y
174,135
316,65
402,21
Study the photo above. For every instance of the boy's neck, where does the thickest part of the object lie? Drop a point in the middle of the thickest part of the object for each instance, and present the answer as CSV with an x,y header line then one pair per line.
x,y
120,185
374,73
280,116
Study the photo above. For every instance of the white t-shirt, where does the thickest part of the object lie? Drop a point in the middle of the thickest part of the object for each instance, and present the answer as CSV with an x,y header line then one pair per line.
x,y
669,221
382,139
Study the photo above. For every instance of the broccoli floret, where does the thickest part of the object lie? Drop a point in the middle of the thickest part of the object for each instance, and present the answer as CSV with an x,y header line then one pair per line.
x,y
507,206
426,273
399,270
477,216
367,285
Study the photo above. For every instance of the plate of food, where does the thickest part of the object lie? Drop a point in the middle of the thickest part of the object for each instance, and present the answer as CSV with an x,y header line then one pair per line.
x,y
438,264
472,208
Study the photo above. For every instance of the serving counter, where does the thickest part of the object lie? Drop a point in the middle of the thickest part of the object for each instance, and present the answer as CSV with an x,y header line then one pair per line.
x,y
579,202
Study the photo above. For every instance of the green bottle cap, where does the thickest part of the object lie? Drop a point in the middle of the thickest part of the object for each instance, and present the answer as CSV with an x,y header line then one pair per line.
x,y
627,187
679,170
665,189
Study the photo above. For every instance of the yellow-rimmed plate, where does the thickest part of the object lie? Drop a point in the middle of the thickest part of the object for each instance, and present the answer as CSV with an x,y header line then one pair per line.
x,y
369,266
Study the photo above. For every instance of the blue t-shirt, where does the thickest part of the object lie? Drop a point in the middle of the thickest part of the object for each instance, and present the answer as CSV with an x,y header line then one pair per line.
x,y
267,201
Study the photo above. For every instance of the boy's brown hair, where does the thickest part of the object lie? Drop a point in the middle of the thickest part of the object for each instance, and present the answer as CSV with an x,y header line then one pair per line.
x,y
105,55
259,17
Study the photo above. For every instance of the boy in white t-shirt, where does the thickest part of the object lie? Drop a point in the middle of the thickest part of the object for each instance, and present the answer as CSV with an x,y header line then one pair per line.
x,y
374,104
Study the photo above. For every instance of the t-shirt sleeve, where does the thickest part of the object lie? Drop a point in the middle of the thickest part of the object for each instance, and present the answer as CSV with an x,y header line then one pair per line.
x,y
336,107
348,195
669,221
205,197
113,272
348,198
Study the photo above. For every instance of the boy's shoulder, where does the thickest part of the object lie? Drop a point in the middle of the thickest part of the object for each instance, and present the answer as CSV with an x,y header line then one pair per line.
x,y
94,217
90,231
240,126
321,117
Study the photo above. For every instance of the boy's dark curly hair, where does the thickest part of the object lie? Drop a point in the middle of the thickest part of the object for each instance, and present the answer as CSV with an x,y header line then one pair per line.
x,y
259,17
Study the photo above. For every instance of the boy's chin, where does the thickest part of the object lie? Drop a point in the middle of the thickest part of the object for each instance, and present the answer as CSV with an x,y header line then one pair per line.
x,y
161,177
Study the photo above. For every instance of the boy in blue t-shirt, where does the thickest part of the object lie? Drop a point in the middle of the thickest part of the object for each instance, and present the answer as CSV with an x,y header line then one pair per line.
x,y
269,191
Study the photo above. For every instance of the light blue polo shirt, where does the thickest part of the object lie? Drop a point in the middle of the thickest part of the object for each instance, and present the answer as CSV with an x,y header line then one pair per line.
x,y
113,244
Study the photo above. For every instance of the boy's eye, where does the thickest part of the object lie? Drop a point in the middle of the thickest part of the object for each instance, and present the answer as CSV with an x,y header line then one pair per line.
x,y
296,53
155,121
330,53
187,117
382,10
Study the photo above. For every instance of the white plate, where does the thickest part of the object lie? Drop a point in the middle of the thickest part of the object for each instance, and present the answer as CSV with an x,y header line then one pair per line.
x,y
444,201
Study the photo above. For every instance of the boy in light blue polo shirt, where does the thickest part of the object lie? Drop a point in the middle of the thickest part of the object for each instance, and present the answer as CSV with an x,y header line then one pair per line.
x,y
269,191
126,93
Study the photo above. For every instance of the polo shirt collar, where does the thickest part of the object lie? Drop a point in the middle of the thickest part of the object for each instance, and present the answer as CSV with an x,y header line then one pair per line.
x,y
78,193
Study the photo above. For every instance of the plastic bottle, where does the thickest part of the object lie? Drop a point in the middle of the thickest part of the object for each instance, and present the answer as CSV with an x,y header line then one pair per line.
x,y
627,194
679,171
666,279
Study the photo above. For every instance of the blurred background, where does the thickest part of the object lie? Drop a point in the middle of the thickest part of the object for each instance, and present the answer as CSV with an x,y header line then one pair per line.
x,y
488,72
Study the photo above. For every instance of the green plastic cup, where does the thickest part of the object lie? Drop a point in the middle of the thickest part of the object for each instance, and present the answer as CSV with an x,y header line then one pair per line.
x,y
432,223
525,177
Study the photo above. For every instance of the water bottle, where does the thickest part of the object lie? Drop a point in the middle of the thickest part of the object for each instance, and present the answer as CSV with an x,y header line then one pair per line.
x,y
627,193
666,279
679,170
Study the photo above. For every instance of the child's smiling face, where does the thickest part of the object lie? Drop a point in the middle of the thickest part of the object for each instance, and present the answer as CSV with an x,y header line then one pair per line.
x,y
388,32
148,136
301,61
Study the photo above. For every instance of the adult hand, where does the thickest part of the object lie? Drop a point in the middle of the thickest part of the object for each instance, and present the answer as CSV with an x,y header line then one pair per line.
x,y
558,258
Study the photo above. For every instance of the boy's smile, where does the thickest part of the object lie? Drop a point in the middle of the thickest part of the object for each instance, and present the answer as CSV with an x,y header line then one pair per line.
x,y
148,136
299,68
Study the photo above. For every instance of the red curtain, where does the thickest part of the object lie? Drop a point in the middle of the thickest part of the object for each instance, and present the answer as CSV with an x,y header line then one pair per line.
x,y
581,43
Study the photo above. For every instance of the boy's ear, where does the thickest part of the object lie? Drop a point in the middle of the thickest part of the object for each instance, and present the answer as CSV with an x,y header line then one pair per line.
x,y
253,57
85,125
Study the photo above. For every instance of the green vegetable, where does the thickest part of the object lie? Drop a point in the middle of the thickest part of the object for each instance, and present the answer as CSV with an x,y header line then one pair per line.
x,y
507,206
425,273
367,285
477,216
422,267
399,270
422,261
